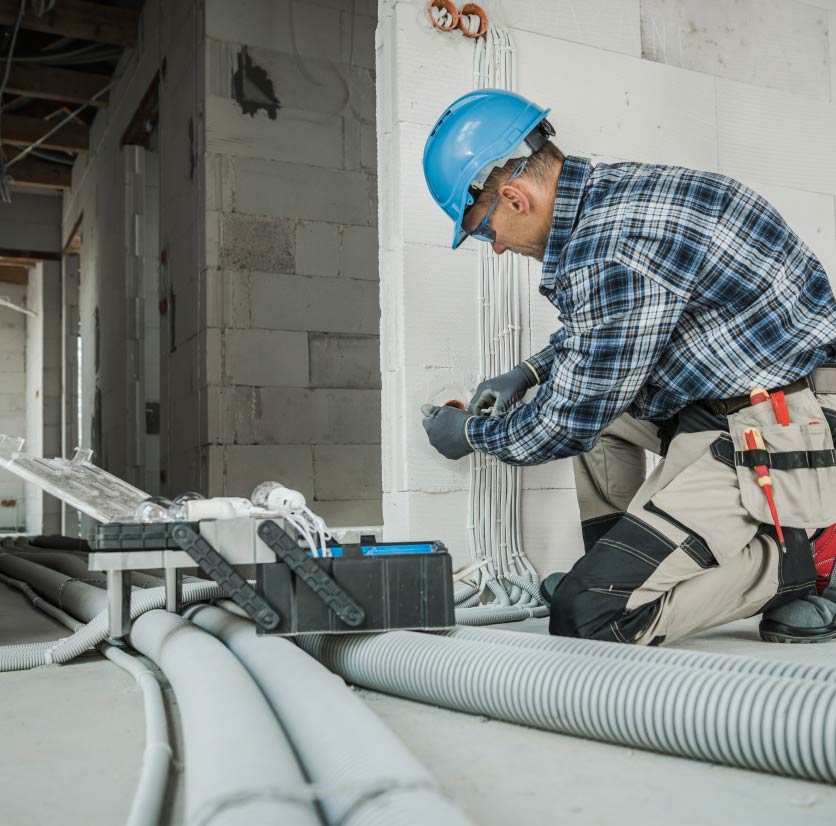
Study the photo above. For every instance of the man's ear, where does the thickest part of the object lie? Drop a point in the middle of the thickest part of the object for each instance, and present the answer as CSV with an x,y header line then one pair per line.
x,y
516,199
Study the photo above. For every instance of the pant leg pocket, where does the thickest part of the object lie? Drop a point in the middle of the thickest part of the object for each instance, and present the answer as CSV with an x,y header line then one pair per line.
x,y
704,502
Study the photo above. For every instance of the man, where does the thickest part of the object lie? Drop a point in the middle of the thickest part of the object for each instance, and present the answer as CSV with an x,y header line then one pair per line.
x,y
679,293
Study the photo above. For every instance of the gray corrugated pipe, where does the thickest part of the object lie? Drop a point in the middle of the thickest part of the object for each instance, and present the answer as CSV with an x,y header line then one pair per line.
x,y
147,803
221,709
84,601
636,653
240,767
487,615
73,565
366,775
776,724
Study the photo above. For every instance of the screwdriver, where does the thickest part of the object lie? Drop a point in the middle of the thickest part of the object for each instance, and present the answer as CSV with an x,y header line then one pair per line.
x,y
754,441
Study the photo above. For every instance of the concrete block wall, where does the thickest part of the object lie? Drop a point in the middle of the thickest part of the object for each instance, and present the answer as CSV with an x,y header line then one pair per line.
x,y
292,296
171,38
43,405
747,89
13,397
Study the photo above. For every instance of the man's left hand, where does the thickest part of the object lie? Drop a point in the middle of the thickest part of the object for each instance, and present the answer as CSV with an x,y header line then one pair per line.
x,y
445,428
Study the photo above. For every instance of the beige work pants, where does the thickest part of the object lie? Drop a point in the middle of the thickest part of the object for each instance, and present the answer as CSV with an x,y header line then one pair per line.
x,y
675,552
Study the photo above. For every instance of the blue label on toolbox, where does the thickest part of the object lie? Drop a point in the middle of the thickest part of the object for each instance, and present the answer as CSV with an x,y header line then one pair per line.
x,y
388,550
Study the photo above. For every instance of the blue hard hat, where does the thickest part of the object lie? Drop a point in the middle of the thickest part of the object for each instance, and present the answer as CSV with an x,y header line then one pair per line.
x,y
477,132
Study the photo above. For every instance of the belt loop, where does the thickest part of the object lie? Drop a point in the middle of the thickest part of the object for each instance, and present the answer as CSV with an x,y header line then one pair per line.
x,y
810,381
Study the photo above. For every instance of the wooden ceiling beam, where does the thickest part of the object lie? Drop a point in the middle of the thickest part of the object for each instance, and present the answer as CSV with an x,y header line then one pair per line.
x,y
14,275
26,257
54,83
35,172
19,130
79,20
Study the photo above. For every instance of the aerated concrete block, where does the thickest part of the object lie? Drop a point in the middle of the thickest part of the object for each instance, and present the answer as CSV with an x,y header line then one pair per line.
x,y
358,252
292,415
317,248
426,517
248,465
762,42
329,305
339,360
440,307
294,135
350,512
281,189
249,243
602,24
552,537
310,29
625,106
266,358
753,142
347,472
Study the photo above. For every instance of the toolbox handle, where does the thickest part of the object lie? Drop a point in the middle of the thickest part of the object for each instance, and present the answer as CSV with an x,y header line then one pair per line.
x,y
289,552
214,565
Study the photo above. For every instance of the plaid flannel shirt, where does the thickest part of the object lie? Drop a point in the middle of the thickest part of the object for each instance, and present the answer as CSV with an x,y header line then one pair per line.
x,y
672,285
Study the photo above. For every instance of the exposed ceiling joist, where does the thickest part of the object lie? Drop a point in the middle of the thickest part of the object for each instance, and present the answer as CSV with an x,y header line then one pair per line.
x,y
27,257
14,274
35,172
53,83
19,130
80,20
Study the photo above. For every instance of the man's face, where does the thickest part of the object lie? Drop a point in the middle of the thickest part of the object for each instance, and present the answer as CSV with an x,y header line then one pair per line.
x,y
518,225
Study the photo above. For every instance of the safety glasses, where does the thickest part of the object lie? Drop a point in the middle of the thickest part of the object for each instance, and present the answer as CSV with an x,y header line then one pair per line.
x,y
483,231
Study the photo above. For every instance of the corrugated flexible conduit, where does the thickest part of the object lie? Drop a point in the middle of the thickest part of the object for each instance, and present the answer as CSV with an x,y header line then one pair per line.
x,y
774,724
361,773
211,686
87,602
639,653
156,755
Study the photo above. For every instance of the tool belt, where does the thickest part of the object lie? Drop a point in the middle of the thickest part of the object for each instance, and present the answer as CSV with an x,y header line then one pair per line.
x,y
821,380
800,456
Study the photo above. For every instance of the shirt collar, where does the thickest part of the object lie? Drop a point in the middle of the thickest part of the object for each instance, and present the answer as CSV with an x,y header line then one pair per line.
x,y
567,204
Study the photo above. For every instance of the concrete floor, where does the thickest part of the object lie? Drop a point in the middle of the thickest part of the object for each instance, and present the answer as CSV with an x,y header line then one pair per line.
x,y
71,741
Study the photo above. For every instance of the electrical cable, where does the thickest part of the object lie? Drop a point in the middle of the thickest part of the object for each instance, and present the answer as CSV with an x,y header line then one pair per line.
x,y
507,582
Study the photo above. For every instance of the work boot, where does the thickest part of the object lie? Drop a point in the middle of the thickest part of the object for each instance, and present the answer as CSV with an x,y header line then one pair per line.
x,y
812,618
548,586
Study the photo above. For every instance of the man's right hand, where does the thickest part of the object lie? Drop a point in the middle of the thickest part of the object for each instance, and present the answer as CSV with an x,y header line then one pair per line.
x,y
503,391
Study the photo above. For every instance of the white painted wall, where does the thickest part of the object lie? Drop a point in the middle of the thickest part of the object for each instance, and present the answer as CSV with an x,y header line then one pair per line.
x,y
746,89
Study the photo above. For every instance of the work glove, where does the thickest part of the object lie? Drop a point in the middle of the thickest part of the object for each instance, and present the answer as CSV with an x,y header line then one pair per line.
x,y
445,428
503,391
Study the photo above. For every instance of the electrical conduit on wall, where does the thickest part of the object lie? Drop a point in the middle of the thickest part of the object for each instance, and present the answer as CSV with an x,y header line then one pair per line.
x,y
502,583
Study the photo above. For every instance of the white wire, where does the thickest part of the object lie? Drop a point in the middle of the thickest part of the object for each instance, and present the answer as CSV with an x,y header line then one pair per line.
x,y
494,514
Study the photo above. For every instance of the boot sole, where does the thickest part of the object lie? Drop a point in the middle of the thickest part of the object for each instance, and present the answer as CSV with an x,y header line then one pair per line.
x,y
785,634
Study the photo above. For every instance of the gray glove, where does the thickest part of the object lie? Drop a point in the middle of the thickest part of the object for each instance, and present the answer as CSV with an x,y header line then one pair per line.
x,y
445,428
503,391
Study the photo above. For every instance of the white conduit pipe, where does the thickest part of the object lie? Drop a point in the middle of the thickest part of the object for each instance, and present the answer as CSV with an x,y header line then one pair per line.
x,y
240,767
773,724
508,581
212,687
84,601
148,799
637,653
361,773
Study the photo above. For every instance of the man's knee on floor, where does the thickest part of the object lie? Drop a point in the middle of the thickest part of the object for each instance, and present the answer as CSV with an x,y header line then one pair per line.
x,y
588,612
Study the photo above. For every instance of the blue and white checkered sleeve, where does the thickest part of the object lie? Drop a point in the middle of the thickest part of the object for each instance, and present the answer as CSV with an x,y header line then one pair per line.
x,y
603,355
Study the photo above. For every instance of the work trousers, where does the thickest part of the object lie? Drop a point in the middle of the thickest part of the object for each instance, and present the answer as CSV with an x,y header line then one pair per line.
x,y
646,577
